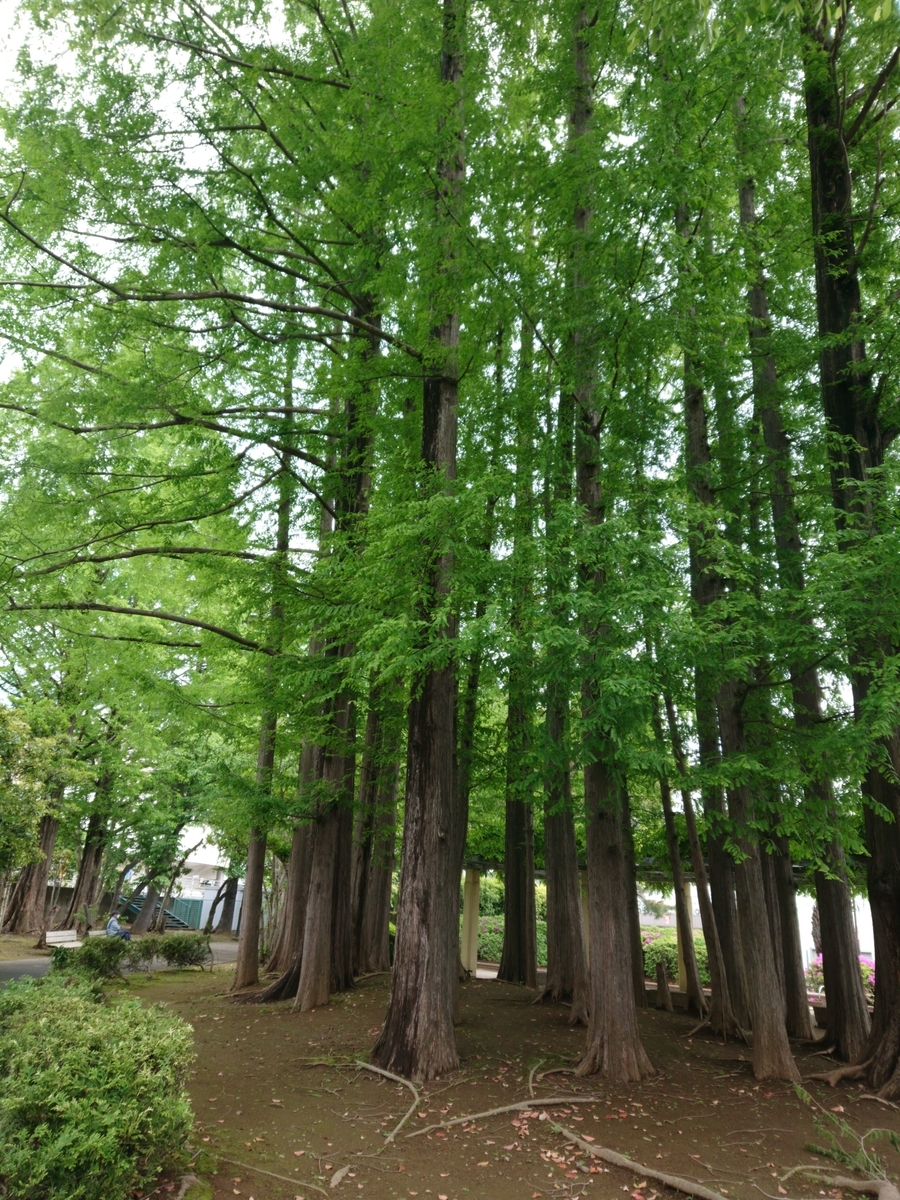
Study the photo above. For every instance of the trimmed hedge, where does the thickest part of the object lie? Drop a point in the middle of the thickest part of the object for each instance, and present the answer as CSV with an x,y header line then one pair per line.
x,y
661,945
107,958
93,1103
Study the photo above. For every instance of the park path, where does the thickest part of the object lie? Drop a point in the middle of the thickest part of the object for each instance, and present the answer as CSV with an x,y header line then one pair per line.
x,y
15,968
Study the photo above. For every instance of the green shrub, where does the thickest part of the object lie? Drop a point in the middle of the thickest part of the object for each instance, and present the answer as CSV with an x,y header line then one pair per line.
x,y
93,1101
141,953
661,945
104,958
184,949
490,940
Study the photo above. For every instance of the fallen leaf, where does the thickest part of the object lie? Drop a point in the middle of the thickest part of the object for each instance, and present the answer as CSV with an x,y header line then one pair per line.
x,y
838,1108
482,1164
338,1176
299,1153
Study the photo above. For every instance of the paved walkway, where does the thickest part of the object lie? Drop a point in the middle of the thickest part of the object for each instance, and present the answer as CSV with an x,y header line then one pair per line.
x,y
223,952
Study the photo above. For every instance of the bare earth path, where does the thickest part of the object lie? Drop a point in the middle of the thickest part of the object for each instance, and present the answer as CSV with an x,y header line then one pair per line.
x,y
271,1096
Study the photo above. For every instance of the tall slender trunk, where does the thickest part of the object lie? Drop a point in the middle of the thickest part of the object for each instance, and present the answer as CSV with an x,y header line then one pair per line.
x,y
613,1041
567,972
771,1051
695,997
92,854
25,911
147,915
246,969
518,959
848,1015
375,852
722,1018
417,1040
638,978
226,918
857,440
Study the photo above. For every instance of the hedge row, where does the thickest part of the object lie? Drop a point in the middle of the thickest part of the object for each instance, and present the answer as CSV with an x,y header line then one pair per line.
x,y
660,945
108,957
93,1103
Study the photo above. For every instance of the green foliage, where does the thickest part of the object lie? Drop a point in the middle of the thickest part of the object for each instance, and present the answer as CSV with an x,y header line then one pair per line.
x,y
183,949
107,958
93,1102
490,940
661,945
100,957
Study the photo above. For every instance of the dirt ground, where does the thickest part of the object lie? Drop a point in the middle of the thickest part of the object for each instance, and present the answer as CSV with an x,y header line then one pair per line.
x,y
282,1113
14,946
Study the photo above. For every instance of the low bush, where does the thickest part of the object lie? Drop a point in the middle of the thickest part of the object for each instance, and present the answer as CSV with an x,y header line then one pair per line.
x,y
103,958
490,940
107,958
815,976
93,1103
661,945
184,949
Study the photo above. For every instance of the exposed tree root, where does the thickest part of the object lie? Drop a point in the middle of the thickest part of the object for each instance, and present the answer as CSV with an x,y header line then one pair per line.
x,y
260,1171
539,1063
882,1188
283,988
686,1186
833,1078
697,1028
494,1112
396,1079
879,1100
578,1013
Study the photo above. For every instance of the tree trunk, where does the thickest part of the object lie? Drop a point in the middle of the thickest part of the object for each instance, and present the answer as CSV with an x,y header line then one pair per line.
x,y
638,978
217,899
518,960
246,970
848,1016
288,941
722,1019
91,858
147,914
695,998
567,973
327,931
375,855
417,1040
613,1041
799,1022
226,919
566,958
25,911
856,445
771,1051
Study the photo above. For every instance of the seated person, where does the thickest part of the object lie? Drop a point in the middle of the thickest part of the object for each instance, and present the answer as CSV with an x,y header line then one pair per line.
x,y
114,929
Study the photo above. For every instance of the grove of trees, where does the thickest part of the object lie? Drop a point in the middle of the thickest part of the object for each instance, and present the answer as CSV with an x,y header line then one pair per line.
x,y
433,427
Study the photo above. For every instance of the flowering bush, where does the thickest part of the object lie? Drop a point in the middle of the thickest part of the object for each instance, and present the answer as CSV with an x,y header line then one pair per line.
x,y
815,977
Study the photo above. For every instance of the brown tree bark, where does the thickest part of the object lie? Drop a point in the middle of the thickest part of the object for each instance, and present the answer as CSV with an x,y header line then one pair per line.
x,y
567,973
374,862
518,959
91,857
695,997
614,1046
771,1052
858,437
797,1018
226,918
722,1018
25,911
147,914
848,1015
638,978
246,968
417,1040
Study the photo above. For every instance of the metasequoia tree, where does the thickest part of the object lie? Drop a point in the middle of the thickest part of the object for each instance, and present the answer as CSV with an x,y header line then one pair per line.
x,y
417,1039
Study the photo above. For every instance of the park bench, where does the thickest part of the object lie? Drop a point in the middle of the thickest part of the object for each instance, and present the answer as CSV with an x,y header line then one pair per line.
x,y
62,937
